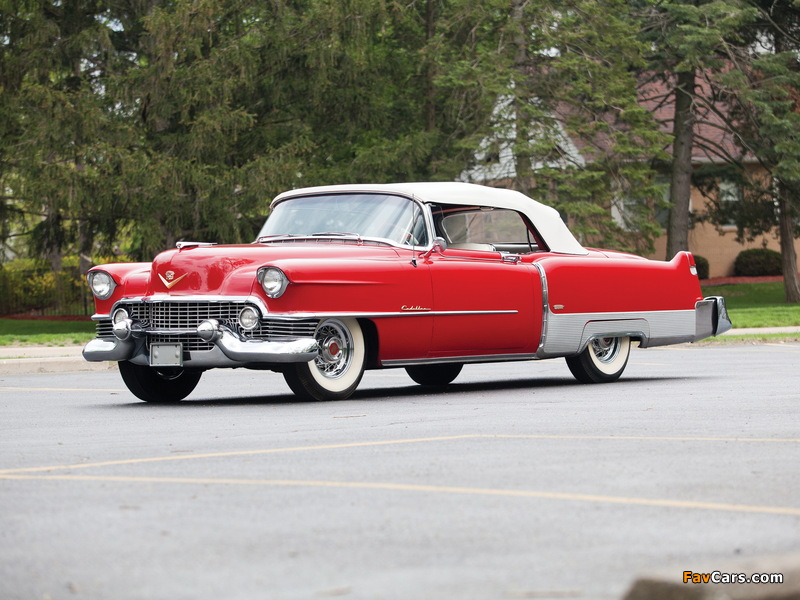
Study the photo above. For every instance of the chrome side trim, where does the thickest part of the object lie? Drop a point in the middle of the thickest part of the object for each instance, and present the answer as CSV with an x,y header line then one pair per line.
x,y
457,359
378,315
545,307
302,315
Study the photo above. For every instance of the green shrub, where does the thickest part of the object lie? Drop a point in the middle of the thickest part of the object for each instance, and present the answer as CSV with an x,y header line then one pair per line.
x,y
30,287
702,266
758,262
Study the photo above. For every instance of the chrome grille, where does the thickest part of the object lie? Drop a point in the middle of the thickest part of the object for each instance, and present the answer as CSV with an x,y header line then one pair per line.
x,y
281,328
104,328
183,315
188,315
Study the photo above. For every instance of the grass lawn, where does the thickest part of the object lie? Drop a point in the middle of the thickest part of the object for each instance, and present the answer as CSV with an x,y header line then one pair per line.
x,y
20,332
749,305
757,304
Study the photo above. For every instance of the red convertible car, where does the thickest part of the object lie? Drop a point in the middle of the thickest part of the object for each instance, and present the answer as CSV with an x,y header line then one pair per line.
x,y
424,276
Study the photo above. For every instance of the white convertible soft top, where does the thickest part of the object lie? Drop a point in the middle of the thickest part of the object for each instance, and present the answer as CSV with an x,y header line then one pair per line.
x,y
545,218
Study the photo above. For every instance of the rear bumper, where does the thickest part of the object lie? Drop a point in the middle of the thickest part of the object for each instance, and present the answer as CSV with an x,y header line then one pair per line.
x,y
711,318
229,349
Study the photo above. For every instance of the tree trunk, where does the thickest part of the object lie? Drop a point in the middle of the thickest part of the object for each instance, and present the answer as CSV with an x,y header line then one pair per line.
x,y
791,281
85,243
430,70
680,188
522,155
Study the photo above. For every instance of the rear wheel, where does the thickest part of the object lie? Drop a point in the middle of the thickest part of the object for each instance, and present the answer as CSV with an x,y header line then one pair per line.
x,y
154,385
603,360
434,374
337,371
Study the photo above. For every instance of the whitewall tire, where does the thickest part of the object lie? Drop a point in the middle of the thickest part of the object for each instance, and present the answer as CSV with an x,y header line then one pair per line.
x,y
337,371
602,361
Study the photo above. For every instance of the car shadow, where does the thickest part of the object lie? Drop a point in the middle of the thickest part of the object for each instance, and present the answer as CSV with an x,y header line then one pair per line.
x,y
412,391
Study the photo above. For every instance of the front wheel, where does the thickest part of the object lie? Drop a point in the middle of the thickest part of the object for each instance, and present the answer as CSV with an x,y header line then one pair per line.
x,y
602,361
153,385
337,371
434,375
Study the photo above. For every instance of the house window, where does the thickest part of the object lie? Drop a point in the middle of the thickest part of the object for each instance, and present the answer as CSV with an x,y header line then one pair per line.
x,y
730,194
624,209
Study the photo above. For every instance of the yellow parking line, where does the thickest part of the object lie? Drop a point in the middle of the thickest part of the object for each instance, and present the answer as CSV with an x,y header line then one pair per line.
x,y
653,438
440,489
132,461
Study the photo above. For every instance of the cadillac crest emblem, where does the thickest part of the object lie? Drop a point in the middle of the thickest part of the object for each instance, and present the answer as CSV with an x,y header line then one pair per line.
x,y
168,278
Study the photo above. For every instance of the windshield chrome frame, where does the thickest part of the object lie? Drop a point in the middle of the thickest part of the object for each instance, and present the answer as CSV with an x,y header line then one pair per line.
x,y
424,208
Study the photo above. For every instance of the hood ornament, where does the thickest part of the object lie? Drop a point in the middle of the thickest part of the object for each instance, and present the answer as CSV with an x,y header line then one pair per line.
x,y
186,245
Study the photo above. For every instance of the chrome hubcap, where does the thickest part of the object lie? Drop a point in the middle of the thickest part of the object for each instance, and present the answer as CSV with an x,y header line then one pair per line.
x,y
336,346
606,349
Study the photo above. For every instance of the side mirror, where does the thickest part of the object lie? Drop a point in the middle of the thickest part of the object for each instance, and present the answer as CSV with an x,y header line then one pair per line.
x,y
439,246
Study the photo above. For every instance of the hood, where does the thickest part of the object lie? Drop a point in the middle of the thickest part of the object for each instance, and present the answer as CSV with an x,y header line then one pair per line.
x,y
231,270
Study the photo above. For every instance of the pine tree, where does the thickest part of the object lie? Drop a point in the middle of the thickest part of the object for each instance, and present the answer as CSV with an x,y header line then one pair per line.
x,y
143,123
689,40
566,110
55,125
763,91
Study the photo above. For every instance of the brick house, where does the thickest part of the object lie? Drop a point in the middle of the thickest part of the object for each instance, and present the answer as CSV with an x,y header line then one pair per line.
x,y
717,244
712,141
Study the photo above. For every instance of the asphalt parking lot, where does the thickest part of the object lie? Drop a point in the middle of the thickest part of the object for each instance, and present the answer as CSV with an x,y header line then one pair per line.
x,y
516,482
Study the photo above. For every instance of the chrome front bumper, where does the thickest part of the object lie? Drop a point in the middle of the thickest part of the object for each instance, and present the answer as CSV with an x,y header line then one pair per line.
x,y
229,349
711,316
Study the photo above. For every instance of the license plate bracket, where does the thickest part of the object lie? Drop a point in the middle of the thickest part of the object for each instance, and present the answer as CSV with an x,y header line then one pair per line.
x,y
166,355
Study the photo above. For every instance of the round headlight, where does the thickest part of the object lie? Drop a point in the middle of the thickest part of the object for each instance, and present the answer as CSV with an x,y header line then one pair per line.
x,y
101,284
249,318
119,315
273,281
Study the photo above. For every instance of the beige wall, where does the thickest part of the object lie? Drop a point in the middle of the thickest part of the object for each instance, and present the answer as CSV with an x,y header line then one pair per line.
x,y
720,250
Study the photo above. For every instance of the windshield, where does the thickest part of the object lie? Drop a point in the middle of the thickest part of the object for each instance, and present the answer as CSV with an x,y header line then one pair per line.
x,y
393,218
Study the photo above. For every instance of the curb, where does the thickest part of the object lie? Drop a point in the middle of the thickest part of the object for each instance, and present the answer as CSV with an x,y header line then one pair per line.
x,y
26,360
29,366
762,330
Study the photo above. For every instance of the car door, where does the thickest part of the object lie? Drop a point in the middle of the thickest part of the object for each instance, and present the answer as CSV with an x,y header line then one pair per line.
x,y
485,301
